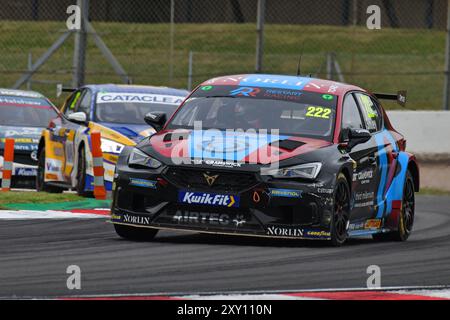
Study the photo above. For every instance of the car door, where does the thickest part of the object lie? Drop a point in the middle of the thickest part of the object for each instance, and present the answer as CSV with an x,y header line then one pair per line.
x,y
365,161
63,132
82,103
386,151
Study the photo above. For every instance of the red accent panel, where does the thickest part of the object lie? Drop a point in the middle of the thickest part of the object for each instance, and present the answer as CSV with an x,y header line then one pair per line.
x,y
123,298
362,295
24,105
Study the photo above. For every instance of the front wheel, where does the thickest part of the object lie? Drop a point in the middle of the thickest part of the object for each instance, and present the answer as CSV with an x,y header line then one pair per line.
x,y
341,212
135,233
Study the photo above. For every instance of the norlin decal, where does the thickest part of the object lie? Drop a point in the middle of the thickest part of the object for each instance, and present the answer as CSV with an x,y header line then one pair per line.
x,y
286,232
136,219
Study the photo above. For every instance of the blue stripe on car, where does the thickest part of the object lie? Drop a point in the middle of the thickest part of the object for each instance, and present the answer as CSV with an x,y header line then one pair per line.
x,y
273,81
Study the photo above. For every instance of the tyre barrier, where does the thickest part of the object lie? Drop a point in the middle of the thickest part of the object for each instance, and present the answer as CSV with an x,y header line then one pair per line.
x,y
99,171
8,159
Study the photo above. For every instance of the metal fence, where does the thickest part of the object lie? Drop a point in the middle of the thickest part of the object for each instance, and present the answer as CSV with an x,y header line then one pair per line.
x,y
180,43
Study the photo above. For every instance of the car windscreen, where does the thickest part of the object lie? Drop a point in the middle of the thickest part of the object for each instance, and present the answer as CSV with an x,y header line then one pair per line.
x,y
291,112
26,112
131,108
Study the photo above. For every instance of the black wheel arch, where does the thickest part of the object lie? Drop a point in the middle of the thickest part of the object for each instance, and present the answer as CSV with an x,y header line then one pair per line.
x,y
41,145
413,168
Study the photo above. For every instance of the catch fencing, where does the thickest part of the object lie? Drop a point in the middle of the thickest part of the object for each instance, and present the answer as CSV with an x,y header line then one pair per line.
x,y
180,43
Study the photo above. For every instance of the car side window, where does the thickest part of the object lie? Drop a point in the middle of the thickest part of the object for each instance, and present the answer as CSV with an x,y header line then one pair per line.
x,y
351,116
371,112
85,103
72,102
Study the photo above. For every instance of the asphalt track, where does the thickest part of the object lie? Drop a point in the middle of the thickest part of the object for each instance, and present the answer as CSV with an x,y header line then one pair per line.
x,y
34,255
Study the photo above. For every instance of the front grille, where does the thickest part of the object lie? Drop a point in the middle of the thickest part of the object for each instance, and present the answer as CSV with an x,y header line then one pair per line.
x,y
24,158
225,181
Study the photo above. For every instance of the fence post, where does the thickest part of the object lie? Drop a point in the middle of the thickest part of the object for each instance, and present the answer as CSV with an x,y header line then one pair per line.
x,y
172,39
260,35
447,63
330,65
99,171
30,67
8,159
79,54
191,57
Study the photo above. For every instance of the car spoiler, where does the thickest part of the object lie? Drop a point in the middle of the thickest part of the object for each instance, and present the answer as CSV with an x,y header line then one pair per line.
x,y
400,97
60,89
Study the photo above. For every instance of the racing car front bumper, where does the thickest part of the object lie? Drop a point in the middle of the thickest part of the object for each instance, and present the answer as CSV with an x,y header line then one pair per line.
x,y
239,203
24,170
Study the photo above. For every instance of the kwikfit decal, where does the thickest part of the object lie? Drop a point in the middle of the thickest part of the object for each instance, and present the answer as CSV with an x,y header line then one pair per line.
x,y
210,199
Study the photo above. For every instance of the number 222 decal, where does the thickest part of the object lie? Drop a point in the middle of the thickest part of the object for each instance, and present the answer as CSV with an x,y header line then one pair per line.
x,y
318,112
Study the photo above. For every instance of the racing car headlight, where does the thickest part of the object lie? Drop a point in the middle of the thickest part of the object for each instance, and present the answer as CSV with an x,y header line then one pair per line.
x,y
110,146
141,159
306,171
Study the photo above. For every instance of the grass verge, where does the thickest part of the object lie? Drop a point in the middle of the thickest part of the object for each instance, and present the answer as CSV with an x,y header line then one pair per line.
x,y
434,192
16,197
378,60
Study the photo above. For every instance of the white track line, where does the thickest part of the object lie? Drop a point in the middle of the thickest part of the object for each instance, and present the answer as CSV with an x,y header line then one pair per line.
x,y
48,214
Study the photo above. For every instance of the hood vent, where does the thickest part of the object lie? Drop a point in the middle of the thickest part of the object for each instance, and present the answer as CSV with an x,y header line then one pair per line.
x,y
288,144
168,137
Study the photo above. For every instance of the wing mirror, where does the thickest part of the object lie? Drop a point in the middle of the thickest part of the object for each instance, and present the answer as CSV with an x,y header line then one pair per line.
x,y
156,120
353,137
78,117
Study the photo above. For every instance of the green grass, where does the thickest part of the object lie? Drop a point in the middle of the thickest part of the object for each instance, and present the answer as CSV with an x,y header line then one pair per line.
x,y
15,197
433,191
379,60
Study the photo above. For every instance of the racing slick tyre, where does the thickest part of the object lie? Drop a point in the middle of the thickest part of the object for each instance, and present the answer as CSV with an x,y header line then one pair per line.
x,y
135,233
81,175
40,176
406,219
341,211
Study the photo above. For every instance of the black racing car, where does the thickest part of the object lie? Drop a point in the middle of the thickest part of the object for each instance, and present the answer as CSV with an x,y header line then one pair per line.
x,y
23,116
270,156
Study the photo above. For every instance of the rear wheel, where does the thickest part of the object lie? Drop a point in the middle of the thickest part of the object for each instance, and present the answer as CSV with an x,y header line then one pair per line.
x,y
341,211
406,219
41,185
135,233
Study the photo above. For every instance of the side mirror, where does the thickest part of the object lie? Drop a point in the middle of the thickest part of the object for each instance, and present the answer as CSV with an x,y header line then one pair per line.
x,y
78,117
358,136
156,119
353,137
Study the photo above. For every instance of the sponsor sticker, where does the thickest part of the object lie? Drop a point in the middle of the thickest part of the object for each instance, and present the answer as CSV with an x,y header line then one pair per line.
x,y
143,183
52,165
197,217
26,172
245,91
20,93
216,163
121,97
209,199
287,193
141,220
356,226
363,176
372,224
297,232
